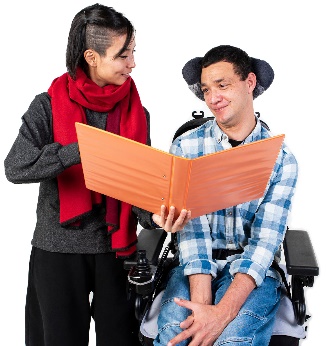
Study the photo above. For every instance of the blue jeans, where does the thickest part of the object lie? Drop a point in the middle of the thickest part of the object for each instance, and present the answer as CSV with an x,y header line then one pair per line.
x,y
252,326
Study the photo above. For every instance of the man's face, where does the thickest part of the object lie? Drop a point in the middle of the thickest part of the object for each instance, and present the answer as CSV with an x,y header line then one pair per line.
x,y
228,98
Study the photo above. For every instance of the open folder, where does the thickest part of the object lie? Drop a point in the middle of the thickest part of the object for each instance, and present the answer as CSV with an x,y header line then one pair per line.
x,y
147,177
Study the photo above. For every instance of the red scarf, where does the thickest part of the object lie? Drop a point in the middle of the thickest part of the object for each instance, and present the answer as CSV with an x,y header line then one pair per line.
x,y
123,104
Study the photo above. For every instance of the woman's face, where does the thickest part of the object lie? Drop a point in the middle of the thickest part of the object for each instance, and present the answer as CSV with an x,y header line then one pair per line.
x,y
109,69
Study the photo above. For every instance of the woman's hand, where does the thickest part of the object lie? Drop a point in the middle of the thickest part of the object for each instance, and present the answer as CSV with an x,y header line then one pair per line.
x,y
168,224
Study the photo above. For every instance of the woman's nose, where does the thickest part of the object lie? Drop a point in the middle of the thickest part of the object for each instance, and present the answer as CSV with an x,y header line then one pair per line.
x,y
131,61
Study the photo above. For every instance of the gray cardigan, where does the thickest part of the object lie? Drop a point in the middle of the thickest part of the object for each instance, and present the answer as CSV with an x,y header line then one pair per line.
x,y
36,158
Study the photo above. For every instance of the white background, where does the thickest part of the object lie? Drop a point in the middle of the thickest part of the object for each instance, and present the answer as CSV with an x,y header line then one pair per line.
x,y
290,35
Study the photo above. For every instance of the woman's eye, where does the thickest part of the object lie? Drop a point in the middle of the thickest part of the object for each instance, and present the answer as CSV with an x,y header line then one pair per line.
x,y
131,56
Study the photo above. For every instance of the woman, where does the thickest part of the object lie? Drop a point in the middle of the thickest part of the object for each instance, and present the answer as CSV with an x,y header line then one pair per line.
x,y
81,237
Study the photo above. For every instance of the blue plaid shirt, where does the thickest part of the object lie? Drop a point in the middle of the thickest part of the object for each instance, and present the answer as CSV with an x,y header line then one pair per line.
x,y
258,227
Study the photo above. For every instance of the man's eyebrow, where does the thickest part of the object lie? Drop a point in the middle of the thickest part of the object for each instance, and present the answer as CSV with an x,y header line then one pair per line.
x,y
215,81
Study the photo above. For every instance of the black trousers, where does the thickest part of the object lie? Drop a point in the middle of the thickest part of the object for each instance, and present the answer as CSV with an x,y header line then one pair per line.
x,y
58,311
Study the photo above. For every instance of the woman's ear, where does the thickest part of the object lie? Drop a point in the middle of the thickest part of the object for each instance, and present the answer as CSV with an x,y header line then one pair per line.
x,y
90,57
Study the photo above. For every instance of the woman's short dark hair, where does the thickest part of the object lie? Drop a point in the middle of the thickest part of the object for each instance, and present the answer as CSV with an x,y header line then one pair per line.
x,y
236,56
93,28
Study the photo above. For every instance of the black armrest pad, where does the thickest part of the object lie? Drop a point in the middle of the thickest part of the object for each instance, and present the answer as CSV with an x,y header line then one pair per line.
x,y
150,240
299,255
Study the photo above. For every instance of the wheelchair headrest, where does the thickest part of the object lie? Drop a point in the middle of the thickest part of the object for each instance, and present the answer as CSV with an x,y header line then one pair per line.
x,y
192,75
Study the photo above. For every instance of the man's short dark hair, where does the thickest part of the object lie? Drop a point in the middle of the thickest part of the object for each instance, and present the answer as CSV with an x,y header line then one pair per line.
x,y
236,56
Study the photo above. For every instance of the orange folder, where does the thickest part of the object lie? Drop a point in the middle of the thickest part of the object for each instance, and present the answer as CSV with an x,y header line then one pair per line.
x,y
147,177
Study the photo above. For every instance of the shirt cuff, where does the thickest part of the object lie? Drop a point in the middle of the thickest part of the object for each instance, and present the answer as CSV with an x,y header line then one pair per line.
x,y
201,266
249,267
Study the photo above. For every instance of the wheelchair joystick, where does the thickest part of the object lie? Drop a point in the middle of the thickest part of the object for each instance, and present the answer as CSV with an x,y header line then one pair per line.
x,y
142,265
142,275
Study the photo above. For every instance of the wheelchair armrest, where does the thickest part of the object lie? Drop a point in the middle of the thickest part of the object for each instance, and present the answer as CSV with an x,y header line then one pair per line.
x,y
150,240
299,255
301,264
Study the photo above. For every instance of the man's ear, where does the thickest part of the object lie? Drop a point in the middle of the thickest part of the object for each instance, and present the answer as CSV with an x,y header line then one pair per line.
x,y
90,57
251,82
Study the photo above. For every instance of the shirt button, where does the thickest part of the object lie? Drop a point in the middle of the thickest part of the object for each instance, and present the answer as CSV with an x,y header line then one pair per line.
x,y
230,213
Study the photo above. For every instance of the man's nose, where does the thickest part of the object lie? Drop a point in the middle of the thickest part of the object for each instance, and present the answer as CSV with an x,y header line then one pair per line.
x,y
215,97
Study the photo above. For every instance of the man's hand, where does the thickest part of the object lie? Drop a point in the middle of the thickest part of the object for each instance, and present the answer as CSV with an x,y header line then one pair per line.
x,y
204,325
207,322
168,224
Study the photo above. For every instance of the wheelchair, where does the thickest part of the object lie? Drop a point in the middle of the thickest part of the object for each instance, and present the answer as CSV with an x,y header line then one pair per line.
x,y
147,271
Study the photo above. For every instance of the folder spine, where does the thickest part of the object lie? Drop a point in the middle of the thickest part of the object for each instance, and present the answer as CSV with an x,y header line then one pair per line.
x,y
180,180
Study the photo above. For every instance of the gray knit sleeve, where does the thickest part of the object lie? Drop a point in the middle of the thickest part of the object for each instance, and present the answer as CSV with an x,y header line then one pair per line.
x,y
34,156
144,218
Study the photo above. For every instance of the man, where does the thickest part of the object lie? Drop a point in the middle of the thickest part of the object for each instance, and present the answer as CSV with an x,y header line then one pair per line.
x,y
225,290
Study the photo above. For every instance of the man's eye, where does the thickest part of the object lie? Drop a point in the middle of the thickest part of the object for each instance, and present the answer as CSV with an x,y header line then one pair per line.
x,y
204,90
223,86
